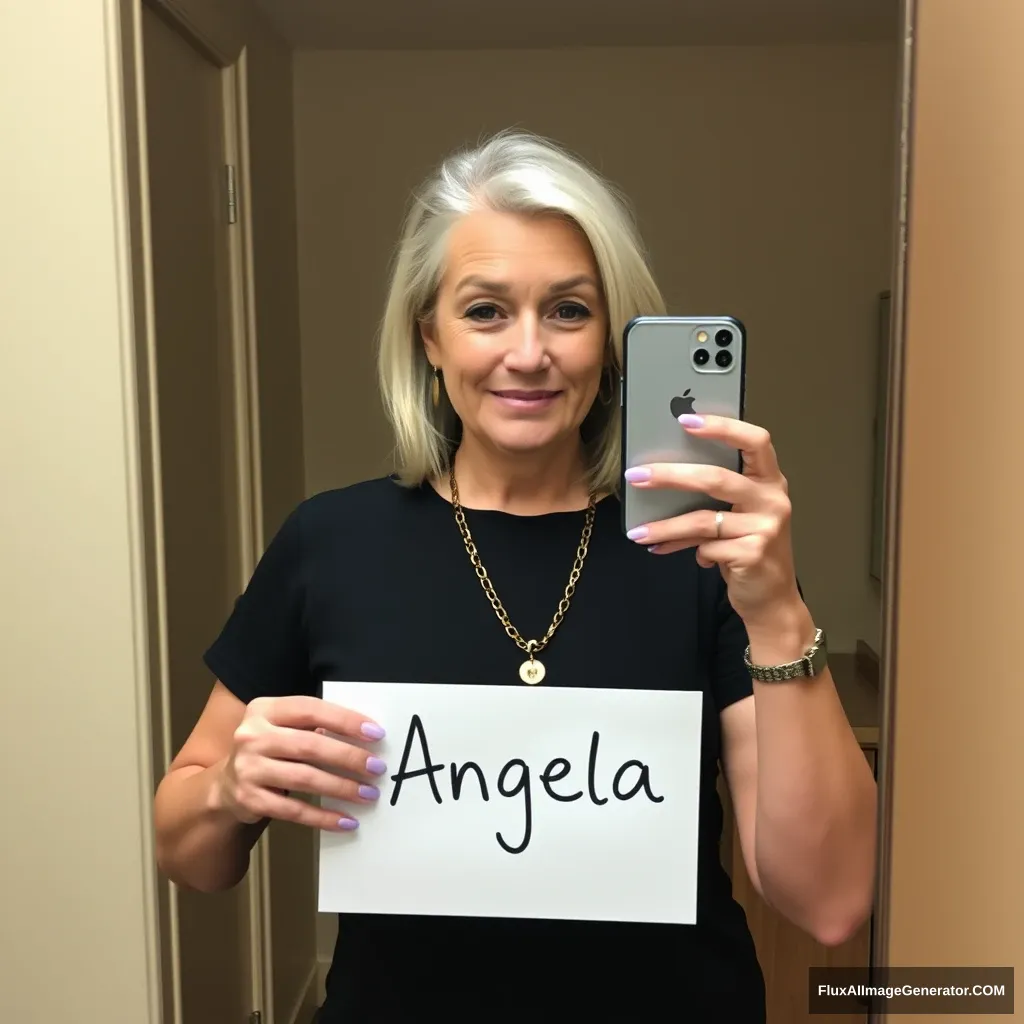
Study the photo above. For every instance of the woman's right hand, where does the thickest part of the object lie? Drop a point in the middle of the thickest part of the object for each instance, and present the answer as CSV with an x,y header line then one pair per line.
x,y
276,750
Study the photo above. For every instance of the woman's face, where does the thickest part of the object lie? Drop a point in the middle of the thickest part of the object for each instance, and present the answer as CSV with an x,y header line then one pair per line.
x,y
519,330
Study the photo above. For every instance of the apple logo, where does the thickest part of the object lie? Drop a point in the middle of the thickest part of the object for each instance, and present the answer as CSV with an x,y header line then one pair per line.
x,y
682,405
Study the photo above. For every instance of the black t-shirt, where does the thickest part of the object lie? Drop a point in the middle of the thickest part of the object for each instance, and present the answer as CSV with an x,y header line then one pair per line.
x,y
372,583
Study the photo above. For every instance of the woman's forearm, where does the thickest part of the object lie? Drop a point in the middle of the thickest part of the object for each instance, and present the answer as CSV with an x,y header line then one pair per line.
x,y
816,796
199,843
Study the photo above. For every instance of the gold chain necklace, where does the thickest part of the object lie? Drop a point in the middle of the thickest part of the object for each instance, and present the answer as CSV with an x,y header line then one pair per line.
x,y
531,671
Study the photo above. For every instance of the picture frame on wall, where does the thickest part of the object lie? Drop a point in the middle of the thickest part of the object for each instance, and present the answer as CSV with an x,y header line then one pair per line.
x,y
884,329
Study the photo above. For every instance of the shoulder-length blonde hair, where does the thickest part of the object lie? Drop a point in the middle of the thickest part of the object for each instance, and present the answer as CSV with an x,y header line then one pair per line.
x,y
514,172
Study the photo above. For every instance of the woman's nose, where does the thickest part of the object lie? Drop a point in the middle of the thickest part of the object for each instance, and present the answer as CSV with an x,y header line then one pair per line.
x,y
527,352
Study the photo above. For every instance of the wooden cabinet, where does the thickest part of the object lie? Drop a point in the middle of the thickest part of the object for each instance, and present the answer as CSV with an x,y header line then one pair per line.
x,y
786,952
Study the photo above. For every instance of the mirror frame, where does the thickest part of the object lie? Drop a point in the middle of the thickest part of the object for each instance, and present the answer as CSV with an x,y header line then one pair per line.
x,y
893,475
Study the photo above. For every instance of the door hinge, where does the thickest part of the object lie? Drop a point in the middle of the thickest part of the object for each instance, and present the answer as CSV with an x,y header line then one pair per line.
x,y
255,1017
232,197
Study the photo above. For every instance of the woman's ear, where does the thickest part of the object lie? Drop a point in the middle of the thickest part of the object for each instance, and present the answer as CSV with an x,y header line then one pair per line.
x,y
429,338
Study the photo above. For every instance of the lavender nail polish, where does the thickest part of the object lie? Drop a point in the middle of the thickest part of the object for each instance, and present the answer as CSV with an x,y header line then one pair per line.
x,y
348,824
637,473
638,533
369,792
371,731
690,420
375,766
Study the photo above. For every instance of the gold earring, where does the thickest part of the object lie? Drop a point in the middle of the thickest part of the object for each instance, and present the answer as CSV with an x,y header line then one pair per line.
x,y
435,389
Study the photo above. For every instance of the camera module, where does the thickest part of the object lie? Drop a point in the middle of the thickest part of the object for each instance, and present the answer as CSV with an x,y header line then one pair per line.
x,y
723,359
700,357
723,337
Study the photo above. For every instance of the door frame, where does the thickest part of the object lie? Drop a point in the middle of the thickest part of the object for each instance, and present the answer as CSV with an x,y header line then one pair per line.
x,y
217,29
892,519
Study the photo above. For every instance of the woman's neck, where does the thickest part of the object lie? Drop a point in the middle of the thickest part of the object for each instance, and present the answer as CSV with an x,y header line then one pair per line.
x,y
526,484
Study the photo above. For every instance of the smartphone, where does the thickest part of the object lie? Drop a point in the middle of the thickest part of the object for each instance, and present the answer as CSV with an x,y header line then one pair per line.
x,y
673,365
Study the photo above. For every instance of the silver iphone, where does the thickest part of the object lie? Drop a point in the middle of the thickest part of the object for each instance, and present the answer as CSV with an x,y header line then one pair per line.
x,y
674,365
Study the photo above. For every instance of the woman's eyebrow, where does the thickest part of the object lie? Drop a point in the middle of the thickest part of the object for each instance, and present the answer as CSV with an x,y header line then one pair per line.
x,y
501,288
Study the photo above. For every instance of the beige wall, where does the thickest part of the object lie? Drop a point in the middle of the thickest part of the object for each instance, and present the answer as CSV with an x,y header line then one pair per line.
x,y
77,887
76,884
957,837
762,179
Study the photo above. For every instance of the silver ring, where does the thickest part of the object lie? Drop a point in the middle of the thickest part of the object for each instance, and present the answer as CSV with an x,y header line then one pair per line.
x,y
719,516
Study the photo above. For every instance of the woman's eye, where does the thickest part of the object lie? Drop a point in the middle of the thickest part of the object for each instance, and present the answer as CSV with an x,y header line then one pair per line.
x,y
567,312
485,312
571,311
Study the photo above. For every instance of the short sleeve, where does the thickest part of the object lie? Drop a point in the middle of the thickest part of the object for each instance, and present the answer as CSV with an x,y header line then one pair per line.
x,y
262,650
730,679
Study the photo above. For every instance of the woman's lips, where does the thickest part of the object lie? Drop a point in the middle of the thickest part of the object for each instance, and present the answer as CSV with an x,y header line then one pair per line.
x,y
517,398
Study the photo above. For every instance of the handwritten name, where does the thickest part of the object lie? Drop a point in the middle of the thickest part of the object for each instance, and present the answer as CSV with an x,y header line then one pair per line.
x,y
514,780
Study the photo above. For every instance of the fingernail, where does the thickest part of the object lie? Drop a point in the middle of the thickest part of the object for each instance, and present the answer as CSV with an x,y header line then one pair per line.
x,y
375,766
369,792
637,473
688,419
654,549
371,731
348,824
638,533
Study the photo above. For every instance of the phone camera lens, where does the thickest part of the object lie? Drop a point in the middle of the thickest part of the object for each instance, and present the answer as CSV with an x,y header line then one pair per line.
x,y
701,356
723,337
723,359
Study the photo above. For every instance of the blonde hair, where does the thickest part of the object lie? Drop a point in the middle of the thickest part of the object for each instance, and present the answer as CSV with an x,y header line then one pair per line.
x,y
513,172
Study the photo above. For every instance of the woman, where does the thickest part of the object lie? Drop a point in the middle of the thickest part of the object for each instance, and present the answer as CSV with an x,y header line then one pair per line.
x,y
499,363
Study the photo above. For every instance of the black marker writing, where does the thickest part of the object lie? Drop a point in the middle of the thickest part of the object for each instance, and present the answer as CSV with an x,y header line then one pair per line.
x,y
522,786
458,773
415,729
548,776
514,779
643,782
592,770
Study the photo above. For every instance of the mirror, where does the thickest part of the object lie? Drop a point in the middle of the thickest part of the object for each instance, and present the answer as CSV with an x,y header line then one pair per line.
x,y
761,163
756,143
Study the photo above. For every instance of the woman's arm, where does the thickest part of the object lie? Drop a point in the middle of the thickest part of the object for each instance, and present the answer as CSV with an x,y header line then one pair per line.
x,y
803,792
200,844
237,771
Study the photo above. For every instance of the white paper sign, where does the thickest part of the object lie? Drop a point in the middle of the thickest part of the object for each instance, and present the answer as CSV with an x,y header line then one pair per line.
x,y
590,813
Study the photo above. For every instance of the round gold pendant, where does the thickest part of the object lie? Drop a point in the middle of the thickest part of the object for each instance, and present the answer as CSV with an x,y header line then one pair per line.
x,y
531,672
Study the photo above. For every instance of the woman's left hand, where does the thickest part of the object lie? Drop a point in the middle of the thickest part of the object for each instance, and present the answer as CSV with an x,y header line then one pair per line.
x,y
752,548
